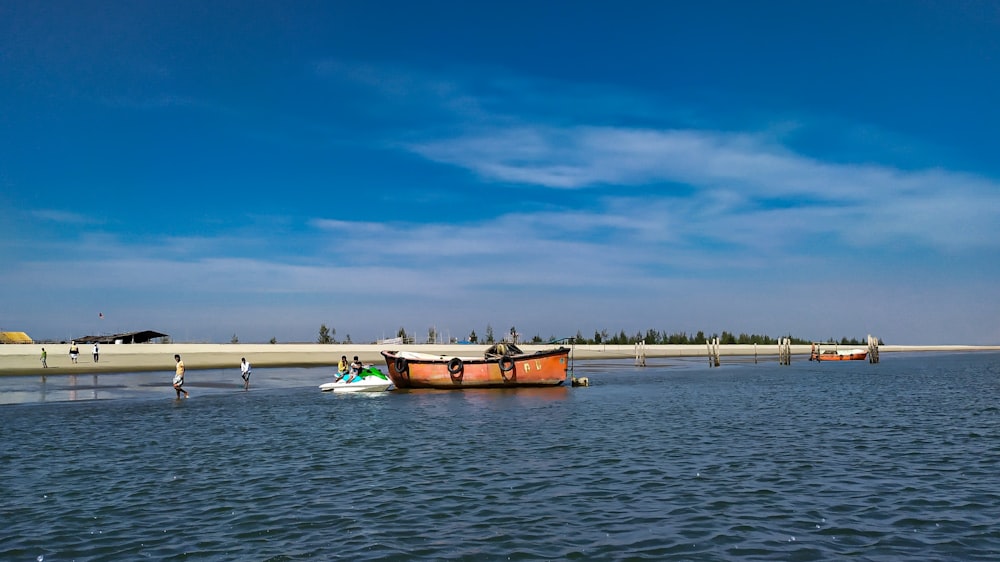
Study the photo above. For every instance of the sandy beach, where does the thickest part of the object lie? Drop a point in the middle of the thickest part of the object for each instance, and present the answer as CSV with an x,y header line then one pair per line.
x,y
24,359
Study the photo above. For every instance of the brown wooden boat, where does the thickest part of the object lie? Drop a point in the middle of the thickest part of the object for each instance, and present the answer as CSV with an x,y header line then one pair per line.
x,y
503,365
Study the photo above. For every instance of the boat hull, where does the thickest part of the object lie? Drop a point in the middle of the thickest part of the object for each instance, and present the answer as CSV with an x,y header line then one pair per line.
x,y
838,357
846,355
378,385
417,370
370,379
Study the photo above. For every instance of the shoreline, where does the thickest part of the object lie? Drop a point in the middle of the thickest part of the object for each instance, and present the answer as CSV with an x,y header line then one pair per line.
x,y
24,359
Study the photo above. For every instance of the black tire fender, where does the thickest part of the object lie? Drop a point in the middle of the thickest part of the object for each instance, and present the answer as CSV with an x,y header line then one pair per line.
x,y
506,364
400,365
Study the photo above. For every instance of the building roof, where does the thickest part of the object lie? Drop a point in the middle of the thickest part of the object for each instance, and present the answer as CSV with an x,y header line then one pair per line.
x,y
127,337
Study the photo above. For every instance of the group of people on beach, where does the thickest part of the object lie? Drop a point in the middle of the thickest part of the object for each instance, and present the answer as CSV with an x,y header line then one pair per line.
x,y
74,355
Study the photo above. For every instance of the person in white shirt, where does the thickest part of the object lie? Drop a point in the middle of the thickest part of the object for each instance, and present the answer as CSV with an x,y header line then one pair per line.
x,y
245,373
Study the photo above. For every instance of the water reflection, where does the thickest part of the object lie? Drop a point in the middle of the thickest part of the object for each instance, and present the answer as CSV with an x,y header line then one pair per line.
x,y
482,397
148,385
78,388
63,388
157,384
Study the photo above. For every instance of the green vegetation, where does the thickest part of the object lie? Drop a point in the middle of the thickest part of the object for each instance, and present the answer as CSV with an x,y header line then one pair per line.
x,y
325,335
650,337
654,337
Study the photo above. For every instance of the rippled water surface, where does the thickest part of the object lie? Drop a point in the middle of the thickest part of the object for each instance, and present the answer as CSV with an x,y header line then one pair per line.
x,y
674,461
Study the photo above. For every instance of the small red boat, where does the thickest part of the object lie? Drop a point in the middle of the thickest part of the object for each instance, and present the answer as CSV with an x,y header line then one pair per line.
x,y
856,354
502,366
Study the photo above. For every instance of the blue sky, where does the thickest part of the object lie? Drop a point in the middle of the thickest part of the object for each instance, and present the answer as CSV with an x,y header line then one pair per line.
x,y
823,169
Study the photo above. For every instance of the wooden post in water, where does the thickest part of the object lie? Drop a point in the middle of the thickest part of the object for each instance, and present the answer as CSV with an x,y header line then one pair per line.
x,y
640,354
785,351
713,352
872,349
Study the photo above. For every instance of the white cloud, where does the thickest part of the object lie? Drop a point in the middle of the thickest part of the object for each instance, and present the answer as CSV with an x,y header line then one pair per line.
x,y
64,217
734,176
685,228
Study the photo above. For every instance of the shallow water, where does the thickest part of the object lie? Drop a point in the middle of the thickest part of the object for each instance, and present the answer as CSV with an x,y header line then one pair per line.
x,y
675,461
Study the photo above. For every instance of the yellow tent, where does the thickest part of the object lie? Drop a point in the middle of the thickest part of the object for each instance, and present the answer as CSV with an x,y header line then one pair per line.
x,y
14,337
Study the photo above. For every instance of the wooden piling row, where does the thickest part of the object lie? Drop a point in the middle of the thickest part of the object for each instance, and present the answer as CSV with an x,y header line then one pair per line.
x,y
640,354
713,352
872,349
785,351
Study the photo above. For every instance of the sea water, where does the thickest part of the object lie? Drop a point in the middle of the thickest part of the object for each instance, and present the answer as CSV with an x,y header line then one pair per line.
x,y
672,461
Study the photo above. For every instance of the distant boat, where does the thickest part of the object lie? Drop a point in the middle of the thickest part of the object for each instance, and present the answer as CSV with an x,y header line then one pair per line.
x,y
854,354
372,380
503,365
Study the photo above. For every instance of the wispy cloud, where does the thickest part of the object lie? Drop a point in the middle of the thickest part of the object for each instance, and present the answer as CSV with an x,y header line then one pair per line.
x,y
736,187
161,100
627,224
734,176
64,217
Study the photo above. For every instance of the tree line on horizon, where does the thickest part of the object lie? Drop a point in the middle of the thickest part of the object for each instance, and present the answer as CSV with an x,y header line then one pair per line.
x,y
651,337
655,337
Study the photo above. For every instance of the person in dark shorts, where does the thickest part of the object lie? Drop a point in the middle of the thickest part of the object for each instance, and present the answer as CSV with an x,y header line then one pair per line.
x,y
245,373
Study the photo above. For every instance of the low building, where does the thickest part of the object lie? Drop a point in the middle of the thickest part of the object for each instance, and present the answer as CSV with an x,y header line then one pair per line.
x,y
144,336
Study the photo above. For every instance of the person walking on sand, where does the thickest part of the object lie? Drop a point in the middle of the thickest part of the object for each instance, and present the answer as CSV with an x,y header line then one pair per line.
x,y
179,378
45,359
245,373
74,352
95,352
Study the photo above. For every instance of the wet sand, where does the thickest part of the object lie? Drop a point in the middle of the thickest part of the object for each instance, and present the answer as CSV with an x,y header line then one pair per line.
x,y
23,359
